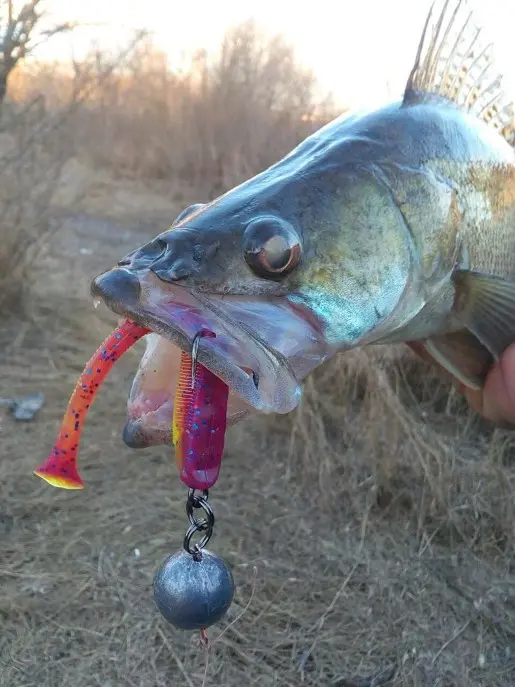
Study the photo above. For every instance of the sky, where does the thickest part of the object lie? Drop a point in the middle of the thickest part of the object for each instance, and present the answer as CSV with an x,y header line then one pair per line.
x,y
361,50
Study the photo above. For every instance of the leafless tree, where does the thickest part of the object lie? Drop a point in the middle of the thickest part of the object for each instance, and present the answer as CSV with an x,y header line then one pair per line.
x,y
21,31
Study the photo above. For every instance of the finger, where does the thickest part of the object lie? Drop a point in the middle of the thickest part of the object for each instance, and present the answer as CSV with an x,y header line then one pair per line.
x,y
497,400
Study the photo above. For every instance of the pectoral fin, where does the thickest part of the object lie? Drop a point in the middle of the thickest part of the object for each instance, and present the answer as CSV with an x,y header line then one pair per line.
x,y
485,305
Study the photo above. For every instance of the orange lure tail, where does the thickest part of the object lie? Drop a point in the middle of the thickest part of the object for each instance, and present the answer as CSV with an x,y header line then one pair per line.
x,y
60,468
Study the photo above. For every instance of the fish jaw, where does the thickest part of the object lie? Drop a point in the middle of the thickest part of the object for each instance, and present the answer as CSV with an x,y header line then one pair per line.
x,y
262,349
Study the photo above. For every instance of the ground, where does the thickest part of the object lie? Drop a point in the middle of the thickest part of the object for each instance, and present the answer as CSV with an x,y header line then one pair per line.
x,y
368,548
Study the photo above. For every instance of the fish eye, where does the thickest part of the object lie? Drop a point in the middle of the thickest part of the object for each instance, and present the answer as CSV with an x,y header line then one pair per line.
x,y
271,247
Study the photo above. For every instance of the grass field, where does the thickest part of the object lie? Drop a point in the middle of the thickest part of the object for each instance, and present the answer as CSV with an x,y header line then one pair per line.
x,y
371,532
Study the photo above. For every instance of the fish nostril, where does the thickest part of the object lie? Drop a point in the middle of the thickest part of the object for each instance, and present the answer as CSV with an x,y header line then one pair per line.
x,y
168,255
171,270
127,259
161,245
146,255
155,249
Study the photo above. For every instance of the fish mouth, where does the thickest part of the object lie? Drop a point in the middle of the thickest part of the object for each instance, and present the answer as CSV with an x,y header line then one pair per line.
x,y
262,348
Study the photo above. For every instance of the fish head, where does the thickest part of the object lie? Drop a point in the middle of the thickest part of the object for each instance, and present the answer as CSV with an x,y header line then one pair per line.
x,y
302,261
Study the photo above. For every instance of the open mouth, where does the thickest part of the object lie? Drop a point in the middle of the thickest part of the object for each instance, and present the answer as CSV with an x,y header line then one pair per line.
x,y
262,348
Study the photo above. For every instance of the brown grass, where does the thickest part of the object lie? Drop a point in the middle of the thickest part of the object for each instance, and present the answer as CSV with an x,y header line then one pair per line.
x,y
379,516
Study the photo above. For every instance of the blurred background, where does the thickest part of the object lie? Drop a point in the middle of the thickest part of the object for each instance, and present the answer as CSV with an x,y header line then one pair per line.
x,y
370,532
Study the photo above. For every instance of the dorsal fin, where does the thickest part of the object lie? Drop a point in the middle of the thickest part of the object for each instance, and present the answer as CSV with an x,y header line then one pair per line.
x,y
455,62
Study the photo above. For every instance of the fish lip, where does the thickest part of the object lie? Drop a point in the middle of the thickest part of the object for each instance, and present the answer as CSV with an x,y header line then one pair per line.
x,y
241,383
136,436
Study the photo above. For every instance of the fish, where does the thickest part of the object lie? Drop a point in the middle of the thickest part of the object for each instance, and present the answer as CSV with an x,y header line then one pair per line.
x,y
391,225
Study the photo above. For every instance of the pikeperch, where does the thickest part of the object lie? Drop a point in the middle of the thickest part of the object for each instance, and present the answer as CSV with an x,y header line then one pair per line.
x,y
396,225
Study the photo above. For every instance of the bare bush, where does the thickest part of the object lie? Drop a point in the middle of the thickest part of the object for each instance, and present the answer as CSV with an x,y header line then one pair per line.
x,y
36,142
209,122
20,33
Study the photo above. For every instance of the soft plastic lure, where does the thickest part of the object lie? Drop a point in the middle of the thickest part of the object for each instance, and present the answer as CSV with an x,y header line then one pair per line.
x,y
199,421
60,468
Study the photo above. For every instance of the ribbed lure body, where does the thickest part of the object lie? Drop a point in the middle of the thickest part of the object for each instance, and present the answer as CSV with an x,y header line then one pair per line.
x,y
60,468
199,424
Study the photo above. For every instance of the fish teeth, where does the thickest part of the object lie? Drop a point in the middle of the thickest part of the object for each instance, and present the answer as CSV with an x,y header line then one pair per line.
x,y
96,302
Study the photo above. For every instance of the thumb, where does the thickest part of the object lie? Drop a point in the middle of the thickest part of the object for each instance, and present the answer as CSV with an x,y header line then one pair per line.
x,y
496,401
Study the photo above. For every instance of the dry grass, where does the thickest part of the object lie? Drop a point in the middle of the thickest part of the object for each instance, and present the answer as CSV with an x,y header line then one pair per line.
x,y
379,516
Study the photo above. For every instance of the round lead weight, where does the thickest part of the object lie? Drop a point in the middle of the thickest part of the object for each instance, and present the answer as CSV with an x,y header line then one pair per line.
x,y
193,594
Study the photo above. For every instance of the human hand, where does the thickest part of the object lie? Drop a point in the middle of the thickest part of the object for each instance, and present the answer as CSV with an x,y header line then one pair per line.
x,y
496,400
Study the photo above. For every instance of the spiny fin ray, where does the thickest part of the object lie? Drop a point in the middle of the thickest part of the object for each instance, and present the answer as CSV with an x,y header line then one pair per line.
x,y
454,61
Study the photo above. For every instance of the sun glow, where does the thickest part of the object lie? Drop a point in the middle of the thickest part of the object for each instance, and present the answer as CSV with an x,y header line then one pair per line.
x,y
360,51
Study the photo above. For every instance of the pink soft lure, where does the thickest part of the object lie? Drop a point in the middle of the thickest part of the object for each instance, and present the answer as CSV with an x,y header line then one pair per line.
x,y
60,468
199,423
